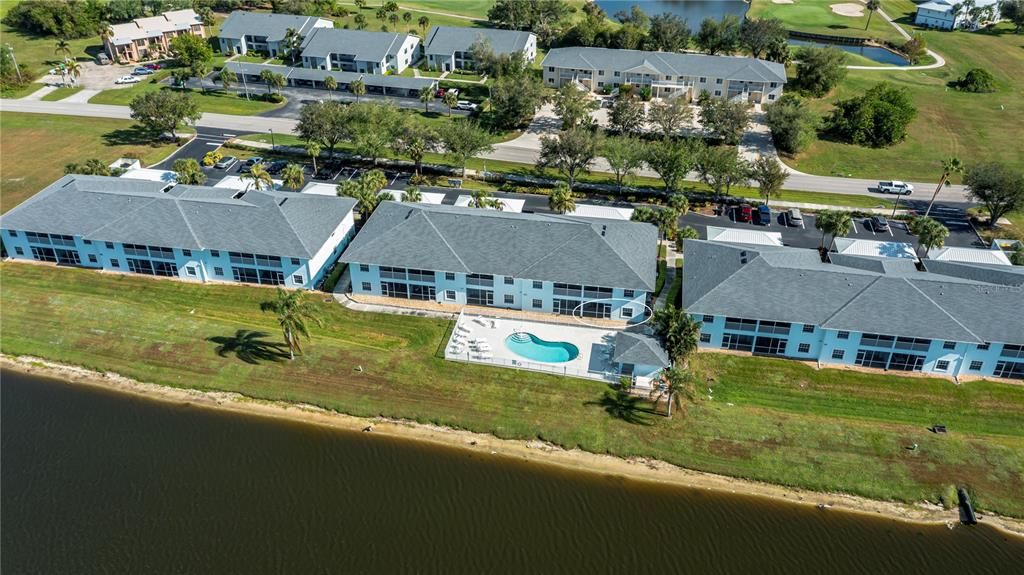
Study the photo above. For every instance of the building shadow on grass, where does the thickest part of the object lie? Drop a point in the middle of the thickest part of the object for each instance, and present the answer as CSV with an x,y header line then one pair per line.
x,y
628,408
249,346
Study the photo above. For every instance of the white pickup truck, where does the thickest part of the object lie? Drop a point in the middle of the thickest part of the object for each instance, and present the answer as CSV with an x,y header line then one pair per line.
x,y
894,187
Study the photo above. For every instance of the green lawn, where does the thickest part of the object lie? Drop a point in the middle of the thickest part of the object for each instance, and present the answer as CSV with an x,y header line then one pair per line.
x,y
61,93
37,146
249,59
771,420
38,52
374,25
215,101
975,127
463,77
816,17
22,92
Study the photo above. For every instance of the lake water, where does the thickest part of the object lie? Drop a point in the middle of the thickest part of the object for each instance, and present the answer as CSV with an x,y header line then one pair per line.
x,y
880,55
694,11
97,482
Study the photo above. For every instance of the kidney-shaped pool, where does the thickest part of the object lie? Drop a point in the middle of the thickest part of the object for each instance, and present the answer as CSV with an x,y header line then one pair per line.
x,y
532,347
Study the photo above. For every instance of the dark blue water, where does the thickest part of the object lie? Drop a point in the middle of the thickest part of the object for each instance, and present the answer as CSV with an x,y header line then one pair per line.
x,y
694,11
874,53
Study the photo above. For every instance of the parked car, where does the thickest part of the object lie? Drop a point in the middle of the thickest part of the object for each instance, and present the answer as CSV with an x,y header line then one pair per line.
x,y
128,80
764,215
152,66
794,217
141,71
896,187
452,91
102,59
466,105
879,224
248,164
276,167
439,93
225,162
744,213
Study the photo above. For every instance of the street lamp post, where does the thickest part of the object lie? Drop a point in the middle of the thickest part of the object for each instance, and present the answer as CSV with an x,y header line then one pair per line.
x,y
273,145
245,85
15,60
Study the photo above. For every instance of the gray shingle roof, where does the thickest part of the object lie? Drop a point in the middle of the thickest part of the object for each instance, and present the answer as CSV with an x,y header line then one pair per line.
x,y
639,349
445,40
101,208
361,44
274,26
548,247
667,63
789,284
290,72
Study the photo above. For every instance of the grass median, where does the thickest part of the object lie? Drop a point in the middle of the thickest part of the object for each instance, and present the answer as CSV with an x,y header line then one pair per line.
x,y
771,420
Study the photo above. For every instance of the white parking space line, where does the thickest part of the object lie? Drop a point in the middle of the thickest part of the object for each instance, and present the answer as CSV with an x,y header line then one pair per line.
x,y
890,232
213,143
872,228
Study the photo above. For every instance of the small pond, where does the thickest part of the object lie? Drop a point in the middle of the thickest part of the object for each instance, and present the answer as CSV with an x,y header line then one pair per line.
x,y
874,53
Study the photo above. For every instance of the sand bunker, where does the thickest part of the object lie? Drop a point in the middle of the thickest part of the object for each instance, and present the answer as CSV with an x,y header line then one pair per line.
x,y
848,9
782,1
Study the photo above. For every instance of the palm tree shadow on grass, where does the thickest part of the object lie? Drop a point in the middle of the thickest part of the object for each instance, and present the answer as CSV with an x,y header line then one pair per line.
x,y
249,346
628,408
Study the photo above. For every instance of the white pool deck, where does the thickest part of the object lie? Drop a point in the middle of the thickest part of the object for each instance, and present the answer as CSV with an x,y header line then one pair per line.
x,y
489,333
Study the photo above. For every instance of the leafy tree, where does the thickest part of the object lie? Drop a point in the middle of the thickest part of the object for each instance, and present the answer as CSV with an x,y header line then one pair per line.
x,y
1013,10
426,95
561,199
915,48
163,111
571,152
463,139
373,128
330,84
793,123
672,160
293,177
726,120
765,38
450,100
976,80
818,70
358,89
412,195
325,123
871,5
211,158
482,199
625,155
670,115
573,106
721,168
227,78
678,331
292,314
996,186
360,4
190,50
313,150
950,166
515,99
188,172
667,33
1017,255
511,14
833,222
719,37
259,178
627,114
930,233
181,76
877,118
415,141
687,233
63,18
769,175
91,167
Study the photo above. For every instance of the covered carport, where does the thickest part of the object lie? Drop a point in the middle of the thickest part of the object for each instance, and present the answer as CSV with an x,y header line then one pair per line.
x,y
397,86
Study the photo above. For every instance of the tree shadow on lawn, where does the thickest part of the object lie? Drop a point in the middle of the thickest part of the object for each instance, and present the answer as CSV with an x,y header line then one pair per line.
x,y
249,346
628,408
134,136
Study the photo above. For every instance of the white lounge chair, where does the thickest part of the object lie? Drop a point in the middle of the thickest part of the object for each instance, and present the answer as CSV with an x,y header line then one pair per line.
x,y
463,329
480,321
482,347
483,356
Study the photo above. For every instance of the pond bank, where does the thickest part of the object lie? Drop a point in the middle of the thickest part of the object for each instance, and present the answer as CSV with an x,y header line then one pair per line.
x,y
524,451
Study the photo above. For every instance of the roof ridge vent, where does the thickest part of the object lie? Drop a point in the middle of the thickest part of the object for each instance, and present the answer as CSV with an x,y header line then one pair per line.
x,y
238,195
281,203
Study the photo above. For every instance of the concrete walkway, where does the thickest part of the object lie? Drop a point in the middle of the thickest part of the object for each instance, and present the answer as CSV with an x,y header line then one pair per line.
x,y
38,94
81,97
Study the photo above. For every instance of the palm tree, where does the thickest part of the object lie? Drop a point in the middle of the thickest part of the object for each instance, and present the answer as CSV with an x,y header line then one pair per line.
x,y
360,21
360,4
412,195
930,233
833,222
450,100
291,42
561,199
679,203
678,331
424,23
227,78
676,385
293,177
313,149
74,70
358,88
950,166
407,18
331,84
260,178
393,18
426,96
63,47
188,172
872,5
292,314
483,199
374,180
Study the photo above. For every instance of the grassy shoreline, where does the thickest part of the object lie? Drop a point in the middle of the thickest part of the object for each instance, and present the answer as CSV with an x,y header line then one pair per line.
x,y
773,421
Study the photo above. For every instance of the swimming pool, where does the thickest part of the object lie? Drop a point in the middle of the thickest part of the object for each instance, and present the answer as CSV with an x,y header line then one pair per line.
x,y
532,347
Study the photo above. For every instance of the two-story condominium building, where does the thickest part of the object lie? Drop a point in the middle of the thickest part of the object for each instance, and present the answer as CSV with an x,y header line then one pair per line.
x,y
447,48
955,319
950,14
264,32
532,262
143,38
195,233
667,74
359,51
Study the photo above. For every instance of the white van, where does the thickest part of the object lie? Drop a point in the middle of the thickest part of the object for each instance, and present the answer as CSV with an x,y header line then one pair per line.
x,y
794,217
